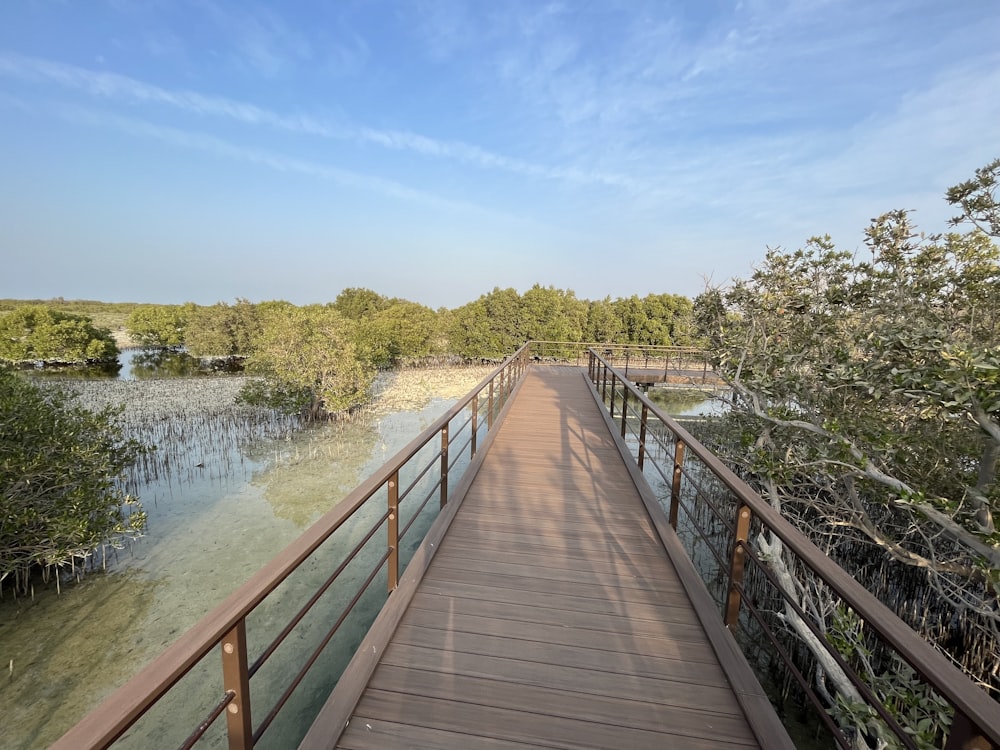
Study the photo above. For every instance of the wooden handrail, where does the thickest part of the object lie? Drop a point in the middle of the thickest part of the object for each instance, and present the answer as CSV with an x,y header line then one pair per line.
x,y
113,717
972,704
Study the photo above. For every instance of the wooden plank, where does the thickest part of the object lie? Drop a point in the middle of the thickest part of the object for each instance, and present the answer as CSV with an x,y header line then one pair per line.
x,y
644,561
681,633
521,726
659,689
756,706
333,717
569,605
364,734
686,721
546,571
611,577
551,616
694,649
638,665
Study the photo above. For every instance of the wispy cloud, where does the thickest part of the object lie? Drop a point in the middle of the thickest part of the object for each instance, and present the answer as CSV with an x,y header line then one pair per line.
x,y
116,87
221,148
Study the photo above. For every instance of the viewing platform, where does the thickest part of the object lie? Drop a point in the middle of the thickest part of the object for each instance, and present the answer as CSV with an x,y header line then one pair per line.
x,y
554,562
552,614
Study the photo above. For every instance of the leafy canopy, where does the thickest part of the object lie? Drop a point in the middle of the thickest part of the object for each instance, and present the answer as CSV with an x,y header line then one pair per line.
x,y
60,489
36,333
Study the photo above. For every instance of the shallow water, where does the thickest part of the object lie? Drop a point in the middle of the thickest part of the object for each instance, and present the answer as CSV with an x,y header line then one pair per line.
x,y
210,528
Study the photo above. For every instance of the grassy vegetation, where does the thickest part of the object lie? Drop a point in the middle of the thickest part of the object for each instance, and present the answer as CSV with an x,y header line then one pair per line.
x,y
110,315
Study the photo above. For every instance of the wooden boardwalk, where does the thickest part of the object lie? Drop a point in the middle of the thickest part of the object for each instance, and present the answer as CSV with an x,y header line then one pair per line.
x,y
551,614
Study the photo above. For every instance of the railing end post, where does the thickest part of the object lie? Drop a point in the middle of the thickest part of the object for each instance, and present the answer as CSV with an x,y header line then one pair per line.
x,y
236,678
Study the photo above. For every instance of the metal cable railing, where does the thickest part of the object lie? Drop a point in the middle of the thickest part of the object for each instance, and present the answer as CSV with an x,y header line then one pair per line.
x,y
371,513
768,577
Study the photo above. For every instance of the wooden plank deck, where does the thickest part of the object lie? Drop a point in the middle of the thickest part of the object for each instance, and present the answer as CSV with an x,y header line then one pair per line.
x,y
550,615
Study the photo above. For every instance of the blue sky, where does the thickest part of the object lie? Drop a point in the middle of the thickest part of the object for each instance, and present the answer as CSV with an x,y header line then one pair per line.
x,y
173,150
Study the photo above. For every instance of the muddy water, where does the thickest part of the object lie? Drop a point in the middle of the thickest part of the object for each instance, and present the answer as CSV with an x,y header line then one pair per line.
x,y
209,531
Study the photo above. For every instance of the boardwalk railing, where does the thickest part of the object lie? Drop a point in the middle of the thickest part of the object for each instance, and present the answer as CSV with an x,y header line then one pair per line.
x,y
664,363
336,566
767,578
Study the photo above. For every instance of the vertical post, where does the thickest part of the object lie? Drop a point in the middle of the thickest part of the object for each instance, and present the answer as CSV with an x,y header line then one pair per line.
x,y
475,423
489,414
624,407
604,382
642,434
612,407
675,483
666,365
626,363
444,466
964,734
236,678
736,564
393,562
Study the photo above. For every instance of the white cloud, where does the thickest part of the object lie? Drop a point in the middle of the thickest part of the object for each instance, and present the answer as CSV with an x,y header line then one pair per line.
x,y
115,87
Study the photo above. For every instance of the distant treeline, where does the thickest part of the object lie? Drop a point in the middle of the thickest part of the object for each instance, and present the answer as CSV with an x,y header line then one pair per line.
x,y
388,329
322,358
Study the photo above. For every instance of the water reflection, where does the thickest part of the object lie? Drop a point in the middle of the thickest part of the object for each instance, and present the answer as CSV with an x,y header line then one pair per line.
x,y
142,364
684,402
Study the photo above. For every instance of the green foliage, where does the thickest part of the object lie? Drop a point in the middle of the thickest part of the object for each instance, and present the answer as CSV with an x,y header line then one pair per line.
x,y
158,325
109,315
402,330
224,330
309,361
922,713
866,397
891,366
977,198
60,467
355,303
499,322
550,314
33,333
489,328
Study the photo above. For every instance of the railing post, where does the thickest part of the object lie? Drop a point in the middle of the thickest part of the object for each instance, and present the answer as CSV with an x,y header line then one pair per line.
x,y
736,564
475,423
393,562
675,483
612,407
626,363
642,434
489,414
964,734
666,365
444,466
624,408
604,382
236,679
